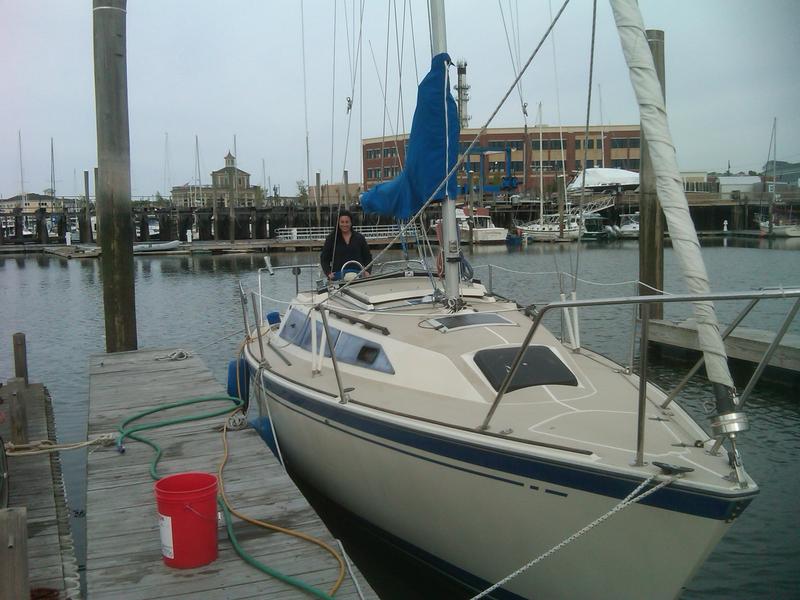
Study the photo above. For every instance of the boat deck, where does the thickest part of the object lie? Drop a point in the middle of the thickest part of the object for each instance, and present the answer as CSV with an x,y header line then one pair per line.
x,y
123,543
438,381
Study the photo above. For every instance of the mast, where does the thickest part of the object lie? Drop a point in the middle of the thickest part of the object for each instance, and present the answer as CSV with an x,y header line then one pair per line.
x,y
774,180
541,175
21,175
452,258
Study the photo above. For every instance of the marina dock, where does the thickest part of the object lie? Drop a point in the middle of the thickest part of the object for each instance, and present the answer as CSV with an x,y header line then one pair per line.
x,y
45,562
743,344
123,543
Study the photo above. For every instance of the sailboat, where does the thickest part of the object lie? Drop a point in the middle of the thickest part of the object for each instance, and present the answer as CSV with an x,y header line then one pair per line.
x,y
783,225
451,420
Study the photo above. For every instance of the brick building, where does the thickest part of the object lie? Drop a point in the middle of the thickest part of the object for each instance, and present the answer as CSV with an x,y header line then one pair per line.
x,y
614,146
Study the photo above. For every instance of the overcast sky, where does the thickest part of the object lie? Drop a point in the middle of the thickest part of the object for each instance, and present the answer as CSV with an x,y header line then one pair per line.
x,y
219,69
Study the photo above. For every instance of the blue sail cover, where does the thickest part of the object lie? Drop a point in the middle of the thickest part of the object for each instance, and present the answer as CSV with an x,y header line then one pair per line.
x,y
425,166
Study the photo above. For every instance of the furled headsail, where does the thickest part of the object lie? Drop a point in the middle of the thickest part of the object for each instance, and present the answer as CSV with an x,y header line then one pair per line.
x,y
668,183
432,150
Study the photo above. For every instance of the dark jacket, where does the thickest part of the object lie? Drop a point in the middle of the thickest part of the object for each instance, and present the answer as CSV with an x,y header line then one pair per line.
x,y
357,249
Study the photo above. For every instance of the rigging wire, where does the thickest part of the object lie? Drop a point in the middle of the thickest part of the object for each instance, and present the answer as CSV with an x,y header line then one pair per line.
x,y
333,96
385,99
386,87
585,150
305,101
558,106
460,160
514,66
401,117
413,39
357,70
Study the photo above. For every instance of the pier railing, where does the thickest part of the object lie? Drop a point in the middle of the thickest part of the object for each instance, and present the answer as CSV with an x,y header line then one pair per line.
x,y
371,232
644,302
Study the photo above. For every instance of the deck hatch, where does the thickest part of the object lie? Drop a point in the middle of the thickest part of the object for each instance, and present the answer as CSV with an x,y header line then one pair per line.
x,y
539,366
474,319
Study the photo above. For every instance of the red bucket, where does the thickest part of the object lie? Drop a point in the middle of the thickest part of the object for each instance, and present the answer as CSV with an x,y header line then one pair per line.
x,y
187,518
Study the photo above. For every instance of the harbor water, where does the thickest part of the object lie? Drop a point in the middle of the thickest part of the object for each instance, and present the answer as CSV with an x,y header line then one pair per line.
x,y
192,302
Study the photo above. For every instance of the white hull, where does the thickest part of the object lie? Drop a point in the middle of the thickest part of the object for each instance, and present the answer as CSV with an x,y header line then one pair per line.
x,y
478,522
549,233
156,247
629,233
487,235
781,230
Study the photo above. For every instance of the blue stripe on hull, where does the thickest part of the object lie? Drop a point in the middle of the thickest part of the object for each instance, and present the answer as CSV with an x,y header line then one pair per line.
x,y
511,464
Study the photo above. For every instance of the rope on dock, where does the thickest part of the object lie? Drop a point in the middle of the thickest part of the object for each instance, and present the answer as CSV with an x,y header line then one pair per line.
x,y
631,498
181,354
48,446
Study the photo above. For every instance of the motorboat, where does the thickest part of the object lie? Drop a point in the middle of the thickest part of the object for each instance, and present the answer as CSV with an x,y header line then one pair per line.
x,y
156,247
478,223
628,227
597,227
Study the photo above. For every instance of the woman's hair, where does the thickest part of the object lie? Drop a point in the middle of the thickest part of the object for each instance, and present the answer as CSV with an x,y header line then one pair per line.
x,y
343,213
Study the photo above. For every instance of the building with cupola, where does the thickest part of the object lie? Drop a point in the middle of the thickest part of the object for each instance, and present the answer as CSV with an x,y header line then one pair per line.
x,y
230,184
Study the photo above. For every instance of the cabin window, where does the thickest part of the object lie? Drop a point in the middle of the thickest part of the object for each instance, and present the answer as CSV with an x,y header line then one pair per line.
x,y
305,342
294,327
355,350
368,354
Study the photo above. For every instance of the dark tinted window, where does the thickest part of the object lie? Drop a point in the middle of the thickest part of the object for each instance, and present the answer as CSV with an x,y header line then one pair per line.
x,y
540,366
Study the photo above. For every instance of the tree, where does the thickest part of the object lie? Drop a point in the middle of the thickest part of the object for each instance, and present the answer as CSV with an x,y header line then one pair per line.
x,y
258,196
302,192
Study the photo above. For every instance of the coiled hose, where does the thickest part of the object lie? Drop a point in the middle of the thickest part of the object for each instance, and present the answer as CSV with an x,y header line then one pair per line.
x,y
126,430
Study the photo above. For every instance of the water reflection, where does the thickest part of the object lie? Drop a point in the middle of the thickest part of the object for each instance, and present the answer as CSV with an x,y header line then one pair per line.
x,y
61,311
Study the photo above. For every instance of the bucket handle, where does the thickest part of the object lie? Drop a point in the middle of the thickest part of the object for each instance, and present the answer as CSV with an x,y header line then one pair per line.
x,y
190,508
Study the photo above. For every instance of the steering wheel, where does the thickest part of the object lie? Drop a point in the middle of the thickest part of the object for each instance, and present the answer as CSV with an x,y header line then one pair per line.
x,y
344,271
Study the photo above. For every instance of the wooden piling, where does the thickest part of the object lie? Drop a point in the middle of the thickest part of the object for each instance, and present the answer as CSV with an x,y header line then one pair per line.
x,y
114,176
85,224
346,190
20,356
651,219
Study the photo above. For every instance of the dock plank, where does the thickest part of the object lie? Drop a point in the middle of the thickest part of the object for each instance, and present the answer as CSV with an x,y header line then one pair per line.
x,y
35,483
123,542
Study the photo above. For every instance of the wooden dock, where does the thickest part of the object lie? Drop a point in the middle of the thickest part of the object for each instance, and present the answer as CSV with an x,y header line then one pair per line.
x,y
123,543
35,483
742,344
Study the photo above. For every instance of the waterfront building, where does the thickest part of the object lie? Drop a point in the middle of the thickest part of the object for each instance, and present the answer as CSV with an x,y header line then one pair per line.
x,y
31,202
228,184
613,146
